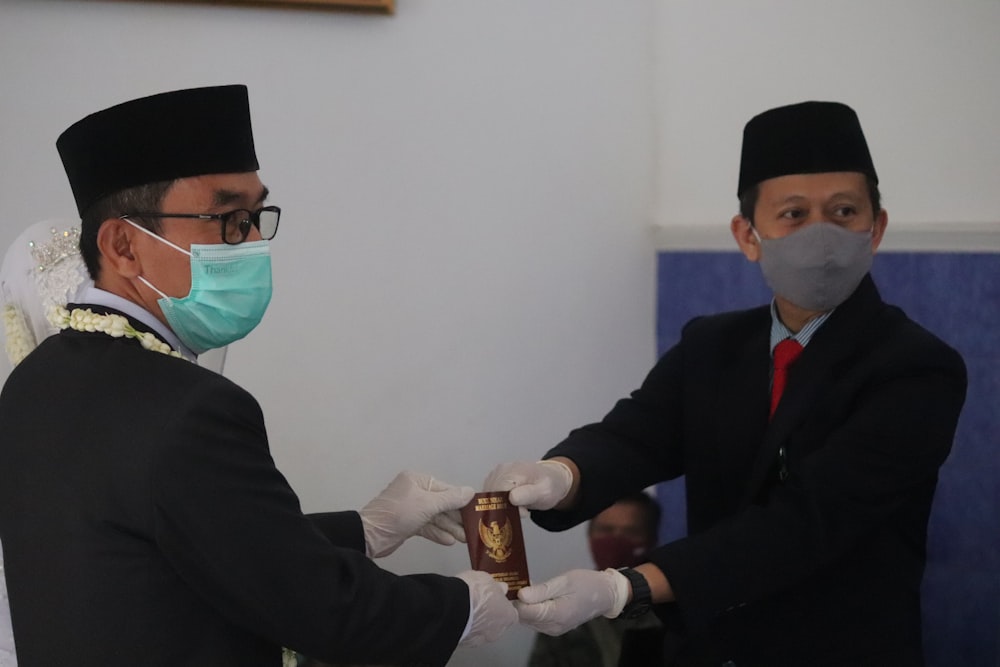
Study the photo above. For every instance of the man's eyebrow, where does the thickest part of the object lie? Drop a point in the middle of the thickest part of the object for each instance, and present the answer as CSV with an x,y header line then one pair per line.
x,y
854,196
223,197
787,199
846,194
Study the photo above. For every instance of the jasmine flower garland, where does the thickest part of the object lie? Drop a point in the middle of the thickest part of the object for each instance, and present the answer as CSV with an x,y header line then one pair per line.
x,y
19,339
113,325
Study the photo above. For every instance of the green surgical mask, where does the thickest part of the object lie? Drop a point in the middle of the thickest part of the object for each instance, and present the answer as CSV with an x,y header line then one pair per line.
x,y
230,290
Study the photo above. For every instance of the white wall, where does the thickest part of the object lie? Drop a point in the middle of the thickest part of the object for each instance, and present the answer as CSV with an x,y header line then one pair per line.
x,y
464,270
922,75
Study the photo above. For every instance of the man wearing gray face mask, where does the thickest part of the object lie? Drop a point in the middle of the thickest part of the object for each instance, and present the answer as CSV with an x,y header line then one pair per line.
x,y
810,432
814,229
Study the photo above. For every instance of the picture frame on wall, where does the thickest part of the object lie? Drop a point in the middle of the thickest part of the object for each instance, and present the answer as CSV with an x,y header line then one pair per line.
x,y
372,6
381,6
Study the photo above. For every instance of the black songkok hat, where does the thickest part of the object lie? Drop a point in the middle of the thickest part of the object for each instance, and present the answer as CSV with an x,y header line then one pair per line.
x,y
805,138
158,138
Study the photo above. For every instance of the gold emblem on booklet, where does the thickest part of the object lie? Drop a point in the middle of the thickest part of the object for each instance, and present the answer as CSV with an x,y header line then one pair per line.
x,y
497,540
496,543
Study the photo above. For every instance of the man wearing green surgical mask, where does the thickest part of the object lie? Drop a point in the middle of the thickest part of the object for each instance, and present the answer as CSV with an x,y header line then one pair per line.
x,y
809,431
142,517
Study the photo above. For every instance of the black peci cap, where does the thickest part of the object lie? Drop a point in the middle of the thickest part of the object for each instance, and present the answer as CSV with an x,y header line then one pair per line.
x,y
158,138
804,138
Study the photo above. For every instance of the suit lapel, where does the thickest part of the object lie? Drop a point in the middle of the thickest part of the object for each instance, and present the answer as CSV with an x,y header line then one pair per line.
x,y
814,371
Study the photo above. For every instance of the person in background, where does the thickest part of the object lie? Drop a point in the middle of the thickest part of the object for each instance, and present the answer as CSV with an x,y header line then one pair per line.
x,y
41,268
810,432
620,536
142,517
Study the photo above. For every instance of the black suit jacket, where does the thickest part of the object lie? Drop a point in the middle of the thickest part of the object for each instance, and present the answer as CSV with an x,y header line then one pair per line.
x,y
823,568
143,522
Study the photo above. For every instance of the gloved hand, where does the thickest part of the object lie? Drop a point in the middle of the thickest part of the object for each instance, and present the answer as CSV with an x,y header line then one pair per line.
x,y
491,612
414,504
536,485
566,601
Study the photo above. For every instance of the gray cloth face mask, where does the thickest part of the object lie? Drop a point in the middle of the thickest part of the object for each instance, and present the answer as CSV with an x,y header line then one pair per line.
x,y
818,266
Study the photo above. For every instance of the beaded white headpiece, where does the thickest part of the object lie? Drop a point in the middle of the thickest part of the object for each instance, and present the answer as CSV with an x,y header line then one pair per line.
x,y
42,269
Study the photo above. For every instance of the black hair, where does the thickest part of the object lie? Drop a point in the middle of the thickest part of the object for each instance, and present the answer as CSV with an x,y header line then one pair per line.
x,y
145,198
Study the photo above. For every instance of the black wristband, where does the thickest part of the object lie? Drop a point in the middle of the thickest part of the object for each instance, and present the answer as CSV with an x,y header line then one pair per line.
x,y
642,597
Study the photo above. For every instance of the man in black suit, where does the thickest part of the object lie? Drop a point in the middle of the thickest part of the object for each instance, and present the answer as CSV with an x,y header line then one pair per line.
x,y
810,433
142,518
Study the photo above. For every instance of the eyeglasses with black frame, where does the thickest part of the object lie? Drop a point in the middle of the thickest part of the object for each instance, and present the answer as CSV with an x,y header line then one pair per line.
x,y
235,225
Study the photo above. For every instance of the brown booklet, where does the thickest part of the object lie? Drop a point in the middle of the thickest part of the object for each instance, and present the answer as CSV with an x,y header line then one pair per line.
x,y
496,543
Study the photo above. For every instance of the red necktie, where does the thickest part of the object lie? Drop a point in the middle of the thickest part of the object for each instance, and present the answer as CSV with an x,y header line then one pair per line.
x,y
785,352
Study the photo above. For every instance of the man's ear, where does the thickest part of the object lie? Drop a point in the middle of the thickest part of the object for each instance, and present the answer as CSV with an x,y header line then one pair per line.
x,y
115,240
878,231
742,231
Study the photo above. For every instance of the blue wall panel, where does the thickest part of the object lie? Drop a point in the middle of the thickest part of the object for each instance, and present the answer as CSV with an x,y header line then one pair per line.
x,y
957,296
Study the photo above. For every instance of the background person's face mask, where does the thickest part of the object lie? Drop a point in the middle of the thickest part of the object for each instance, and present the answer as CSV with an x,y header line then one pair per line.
x,y
230,290
818,266
616,551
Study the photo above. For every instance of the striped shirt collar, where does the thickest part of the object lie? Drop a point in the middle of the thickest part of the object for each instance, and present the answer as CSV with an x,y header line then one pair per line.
x,y
780,332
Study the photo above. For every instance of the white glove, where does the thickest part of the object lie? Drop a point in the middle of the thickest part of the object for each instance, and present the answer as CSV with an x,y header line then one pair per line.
x,y
535,486
566,601
490,612
414,504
